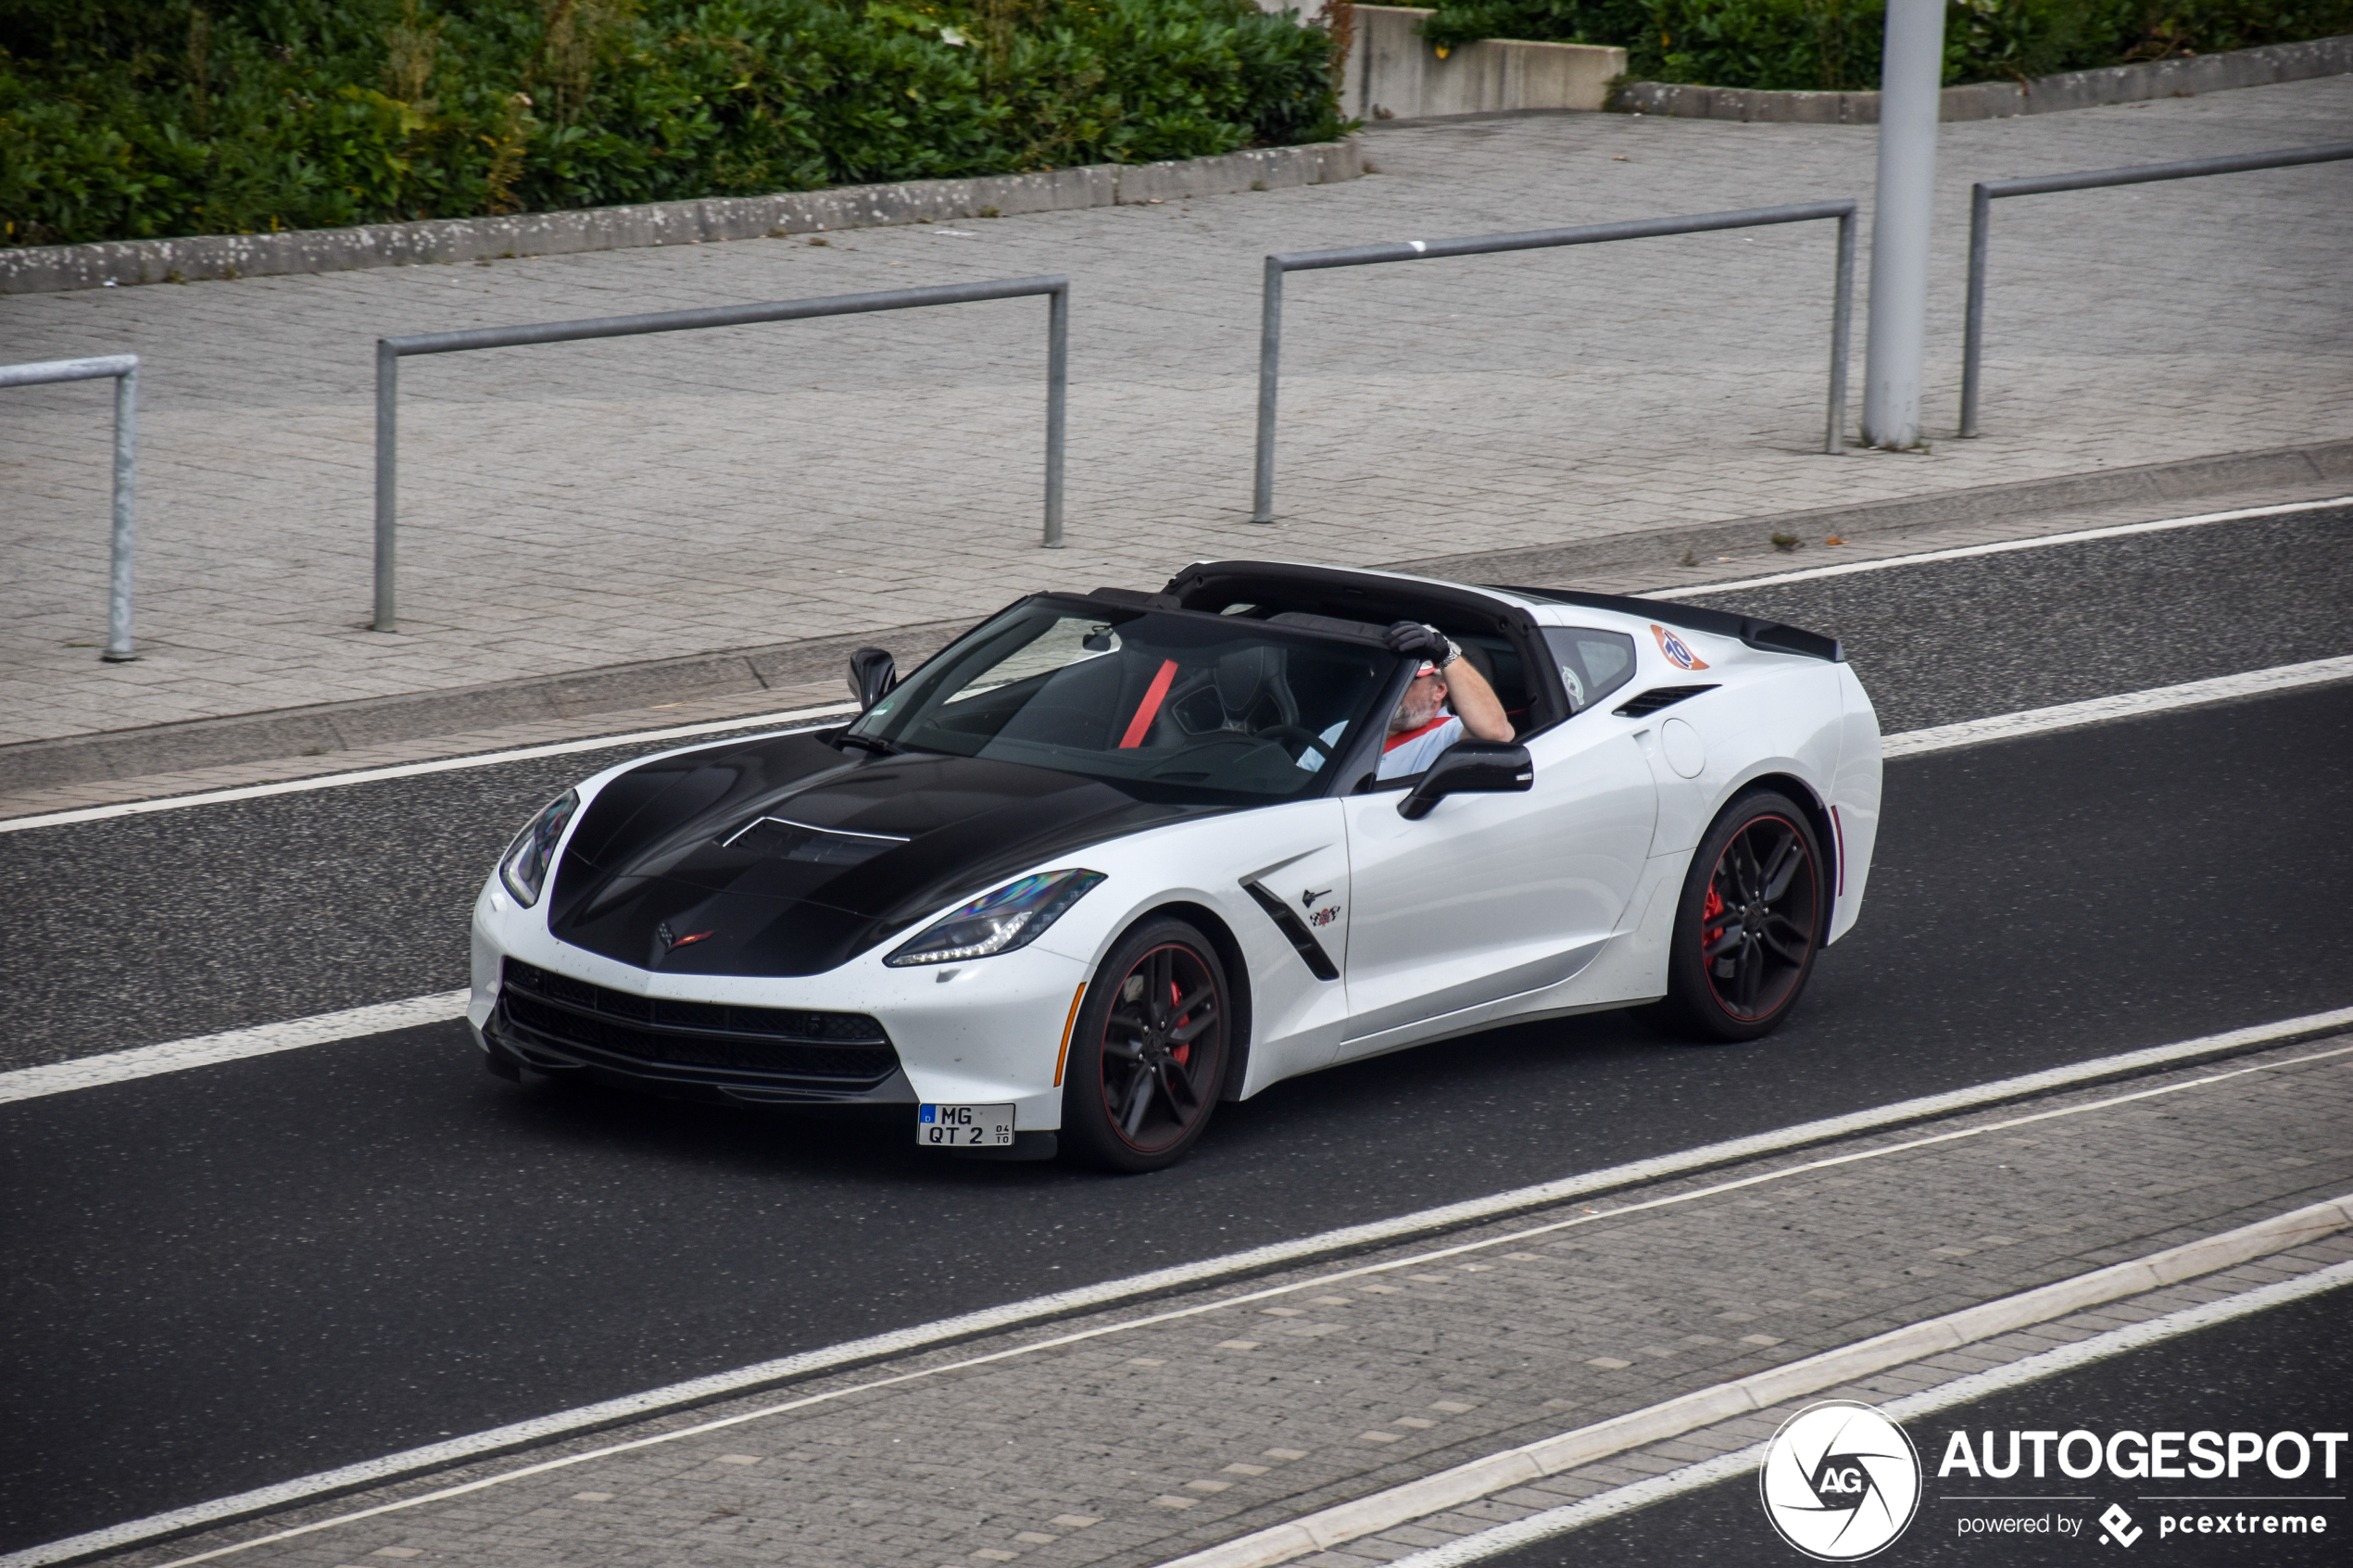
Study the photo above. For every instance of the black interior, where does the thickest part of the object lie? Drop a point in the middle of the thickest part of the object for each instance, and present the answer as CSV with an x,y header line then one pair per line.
x,y
1503,643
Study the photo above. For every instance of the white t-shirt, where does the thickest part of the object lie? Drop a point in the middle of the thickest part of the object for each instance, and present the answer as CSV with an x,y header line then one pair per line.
x,y
1404,755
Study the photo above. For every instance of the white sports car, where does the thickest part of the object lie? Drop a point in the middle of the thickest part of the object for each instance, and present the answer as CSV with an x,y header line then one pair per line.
x,y
1110,858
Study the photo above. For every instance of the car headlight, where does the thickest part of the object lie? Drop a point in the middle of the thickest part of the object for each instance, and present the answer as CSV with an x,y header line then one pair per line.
x,y
523,868
1000,922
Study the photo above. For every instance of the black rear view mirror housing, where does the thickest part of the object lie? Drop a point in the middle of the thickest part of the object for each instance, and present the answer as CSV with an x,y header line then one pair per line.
x,y
1470,767
871,674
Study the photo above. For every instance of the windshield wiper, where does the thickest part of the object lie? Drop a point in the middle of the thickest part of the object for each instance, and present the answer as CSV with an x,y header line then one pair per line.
x,y
875,744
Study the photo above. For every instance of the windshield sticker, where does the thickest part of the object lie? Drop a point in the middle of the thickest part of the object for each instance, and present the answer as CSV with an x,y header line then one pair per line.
x,y
1679,652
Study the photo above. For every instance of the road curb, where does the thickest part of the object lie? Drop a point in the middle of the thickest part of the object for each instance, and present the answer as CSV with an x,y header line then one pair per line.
x,y
1464,1484
57,268
2182,78
328,728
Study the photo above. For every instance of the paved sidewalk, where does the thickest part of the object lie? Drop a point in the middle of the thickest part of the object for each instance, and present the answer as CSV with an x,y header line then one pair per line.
x,y
583,504
1136,1435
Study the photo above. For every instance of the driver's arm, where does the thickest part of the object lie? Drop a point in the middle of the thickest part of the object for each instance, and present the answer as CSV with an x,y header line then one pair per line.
x,y
1474,702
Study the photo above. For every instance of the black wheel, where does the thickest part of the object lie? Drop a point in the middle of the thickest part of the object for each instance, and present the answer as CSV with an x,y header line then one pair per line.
x,y
1148,1053
1747,925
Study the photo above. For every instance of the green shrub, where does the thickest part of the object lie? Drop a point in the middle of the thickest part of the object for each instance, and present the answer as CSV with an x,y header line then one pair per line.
x,y
139,118
1834,45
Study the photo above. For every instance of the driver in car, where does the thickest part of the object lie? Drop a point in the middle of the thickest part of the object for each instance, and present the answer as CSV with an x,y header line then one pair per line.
x,y
1447,700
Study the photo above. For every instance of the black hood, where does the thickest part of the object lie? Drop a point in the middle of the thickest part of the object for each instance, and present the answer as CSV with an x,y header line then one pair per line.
x,y
785,856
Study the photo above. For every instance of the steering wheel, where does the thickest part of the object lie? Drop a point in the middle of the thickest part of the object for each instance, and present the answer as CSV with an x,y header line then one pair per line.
x,y
1300,733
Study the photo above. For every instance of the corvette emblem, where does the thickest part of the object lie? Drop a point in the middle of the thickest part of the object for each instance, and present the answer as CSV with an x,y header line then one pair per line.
x,y
669,940
1678,651
1307,900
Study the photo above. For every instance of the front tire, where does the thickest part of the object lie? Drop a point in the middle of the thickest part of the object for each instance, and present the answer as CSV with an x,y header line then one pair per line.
x,y
1148,1054
1747,925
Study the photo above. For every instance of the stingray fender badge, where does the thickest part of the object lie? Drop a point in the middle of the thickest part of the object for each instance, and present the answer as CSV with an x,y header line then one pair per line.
x,y
1679,652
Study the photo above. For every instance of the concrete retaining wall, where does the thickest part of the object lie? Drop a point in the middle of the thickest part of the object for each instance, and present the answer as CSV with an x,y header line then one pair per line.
x,y
1996,100
1393,75
51,269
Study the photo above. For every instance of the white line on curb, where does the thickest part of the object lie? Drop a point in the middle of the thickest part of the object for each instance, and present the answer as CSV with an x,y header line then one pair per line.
x,y
1963,552
417,769
205,1050
1927,1401
2125,705
703,1390
1328,1529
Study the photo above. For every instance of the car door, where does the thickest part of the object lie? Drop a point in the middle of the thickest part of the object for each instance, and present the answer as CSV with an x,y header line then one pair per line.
x,y
1493,895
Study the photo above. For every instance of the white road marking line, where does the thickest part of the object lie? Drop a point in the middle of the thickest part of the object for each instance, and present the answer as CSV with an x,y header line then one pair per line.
x,y
204,1050
416,770
1963,552
2124,704
116,1067
1927,1401
902,1341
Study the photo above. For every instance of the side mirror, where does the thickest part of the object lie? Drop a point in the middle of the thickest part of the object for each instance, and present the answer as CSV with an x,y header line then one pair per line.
x,y
871,674
1470,767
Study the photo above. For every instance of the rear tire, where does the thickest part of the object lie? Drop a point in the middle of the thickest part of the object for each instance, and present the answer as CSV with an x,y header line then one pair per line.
x,y
1148,1054
1747,925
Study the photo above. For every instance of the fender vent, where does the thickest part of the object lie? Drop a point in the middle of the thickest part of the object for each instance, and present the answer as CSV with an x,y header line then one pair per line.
x,y
1310,952
1651,701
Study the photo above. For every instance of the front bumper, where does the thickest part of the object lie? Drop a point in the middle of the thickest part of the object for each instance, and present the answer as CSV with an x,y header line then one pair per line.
x,y
988,1032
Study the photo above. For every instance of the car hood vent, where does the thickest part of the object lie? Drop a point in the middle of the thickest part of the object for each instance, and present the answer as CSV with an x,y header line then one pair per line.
x,y
1651,701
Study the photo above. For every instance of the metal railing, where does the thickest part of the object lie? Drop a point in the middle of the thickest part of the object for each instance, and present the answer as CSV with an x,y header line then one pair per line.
x,y
1270,342
1986,191
124,370
390,351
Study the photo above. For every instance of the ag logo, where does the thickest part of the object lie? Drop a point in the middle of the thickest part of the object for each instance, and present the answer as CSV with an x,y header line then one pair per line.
x,y
1839,1481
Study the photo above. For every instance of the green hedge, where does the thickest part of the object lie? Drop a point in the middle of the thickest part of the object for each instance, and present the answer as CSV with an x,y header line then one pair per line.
x,y
139,118
1834,45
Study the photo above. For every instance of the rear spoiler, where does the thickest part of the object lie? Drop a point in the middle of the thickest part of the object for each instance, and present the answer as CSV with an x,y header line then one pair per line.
x,y
1766,636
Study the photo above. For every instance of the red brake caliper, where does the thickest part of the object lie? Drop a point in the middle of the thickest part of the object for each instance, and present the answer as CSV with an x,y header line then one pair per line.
x,y
1713,907
1182,1053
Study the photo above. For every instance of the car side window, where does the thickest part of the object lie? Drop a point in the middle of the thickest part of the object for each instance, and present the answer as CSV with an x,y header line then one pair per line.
x,y
1592,663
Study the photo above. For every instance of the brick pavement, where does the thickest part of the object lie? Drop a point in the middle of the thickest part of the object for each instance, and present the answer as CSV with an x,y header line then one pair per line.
x,y
581,505
1134,1435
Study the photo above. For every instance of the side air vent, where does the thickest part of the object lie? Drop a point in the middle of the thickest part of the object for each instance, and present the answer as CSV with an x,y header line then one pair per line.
x,y
1310,952
1651,701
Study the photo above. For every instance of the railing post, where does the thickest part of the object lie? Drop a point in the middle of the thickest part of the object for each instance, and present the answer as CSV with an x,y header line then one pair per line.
x,y
1270,369
1981,214
1057,406
1842,334
126,485
387,475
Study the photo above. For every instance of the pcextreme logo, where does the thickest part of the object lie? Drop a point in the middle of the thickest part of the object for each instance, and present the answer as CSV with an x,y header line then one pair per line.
x,y
1839,1481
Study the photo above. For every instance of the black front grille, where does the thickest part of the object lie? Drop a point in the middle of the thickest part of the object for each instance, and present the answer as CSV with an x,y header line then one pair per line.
x,y
1651,701
831,1050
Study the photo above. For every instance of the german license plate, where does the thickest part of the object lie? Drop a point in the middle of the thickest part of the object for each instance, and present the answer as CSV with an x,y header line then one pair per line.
x,y
964,1126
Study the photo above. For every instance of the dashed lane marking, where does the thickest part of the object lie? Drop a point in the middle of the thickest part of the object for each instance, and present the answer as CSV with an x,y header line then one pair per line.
x,y
2124,704
1351,1238
1964,552
205,1050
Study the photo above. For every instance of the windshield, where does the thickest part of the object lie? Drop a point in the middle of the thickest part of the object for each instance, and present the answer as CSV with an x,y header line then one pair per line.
x,y
1211,708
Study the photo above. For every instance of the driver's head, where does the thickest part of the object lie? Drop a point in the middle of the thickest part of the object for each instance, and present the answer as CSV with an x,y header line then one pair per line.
x,y
1424,695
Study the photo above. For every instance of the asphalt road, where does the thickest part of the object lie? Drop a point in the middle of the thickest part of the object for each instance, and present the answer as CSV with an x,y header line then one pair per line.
x,y
258,910
231,1276
2289,1368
